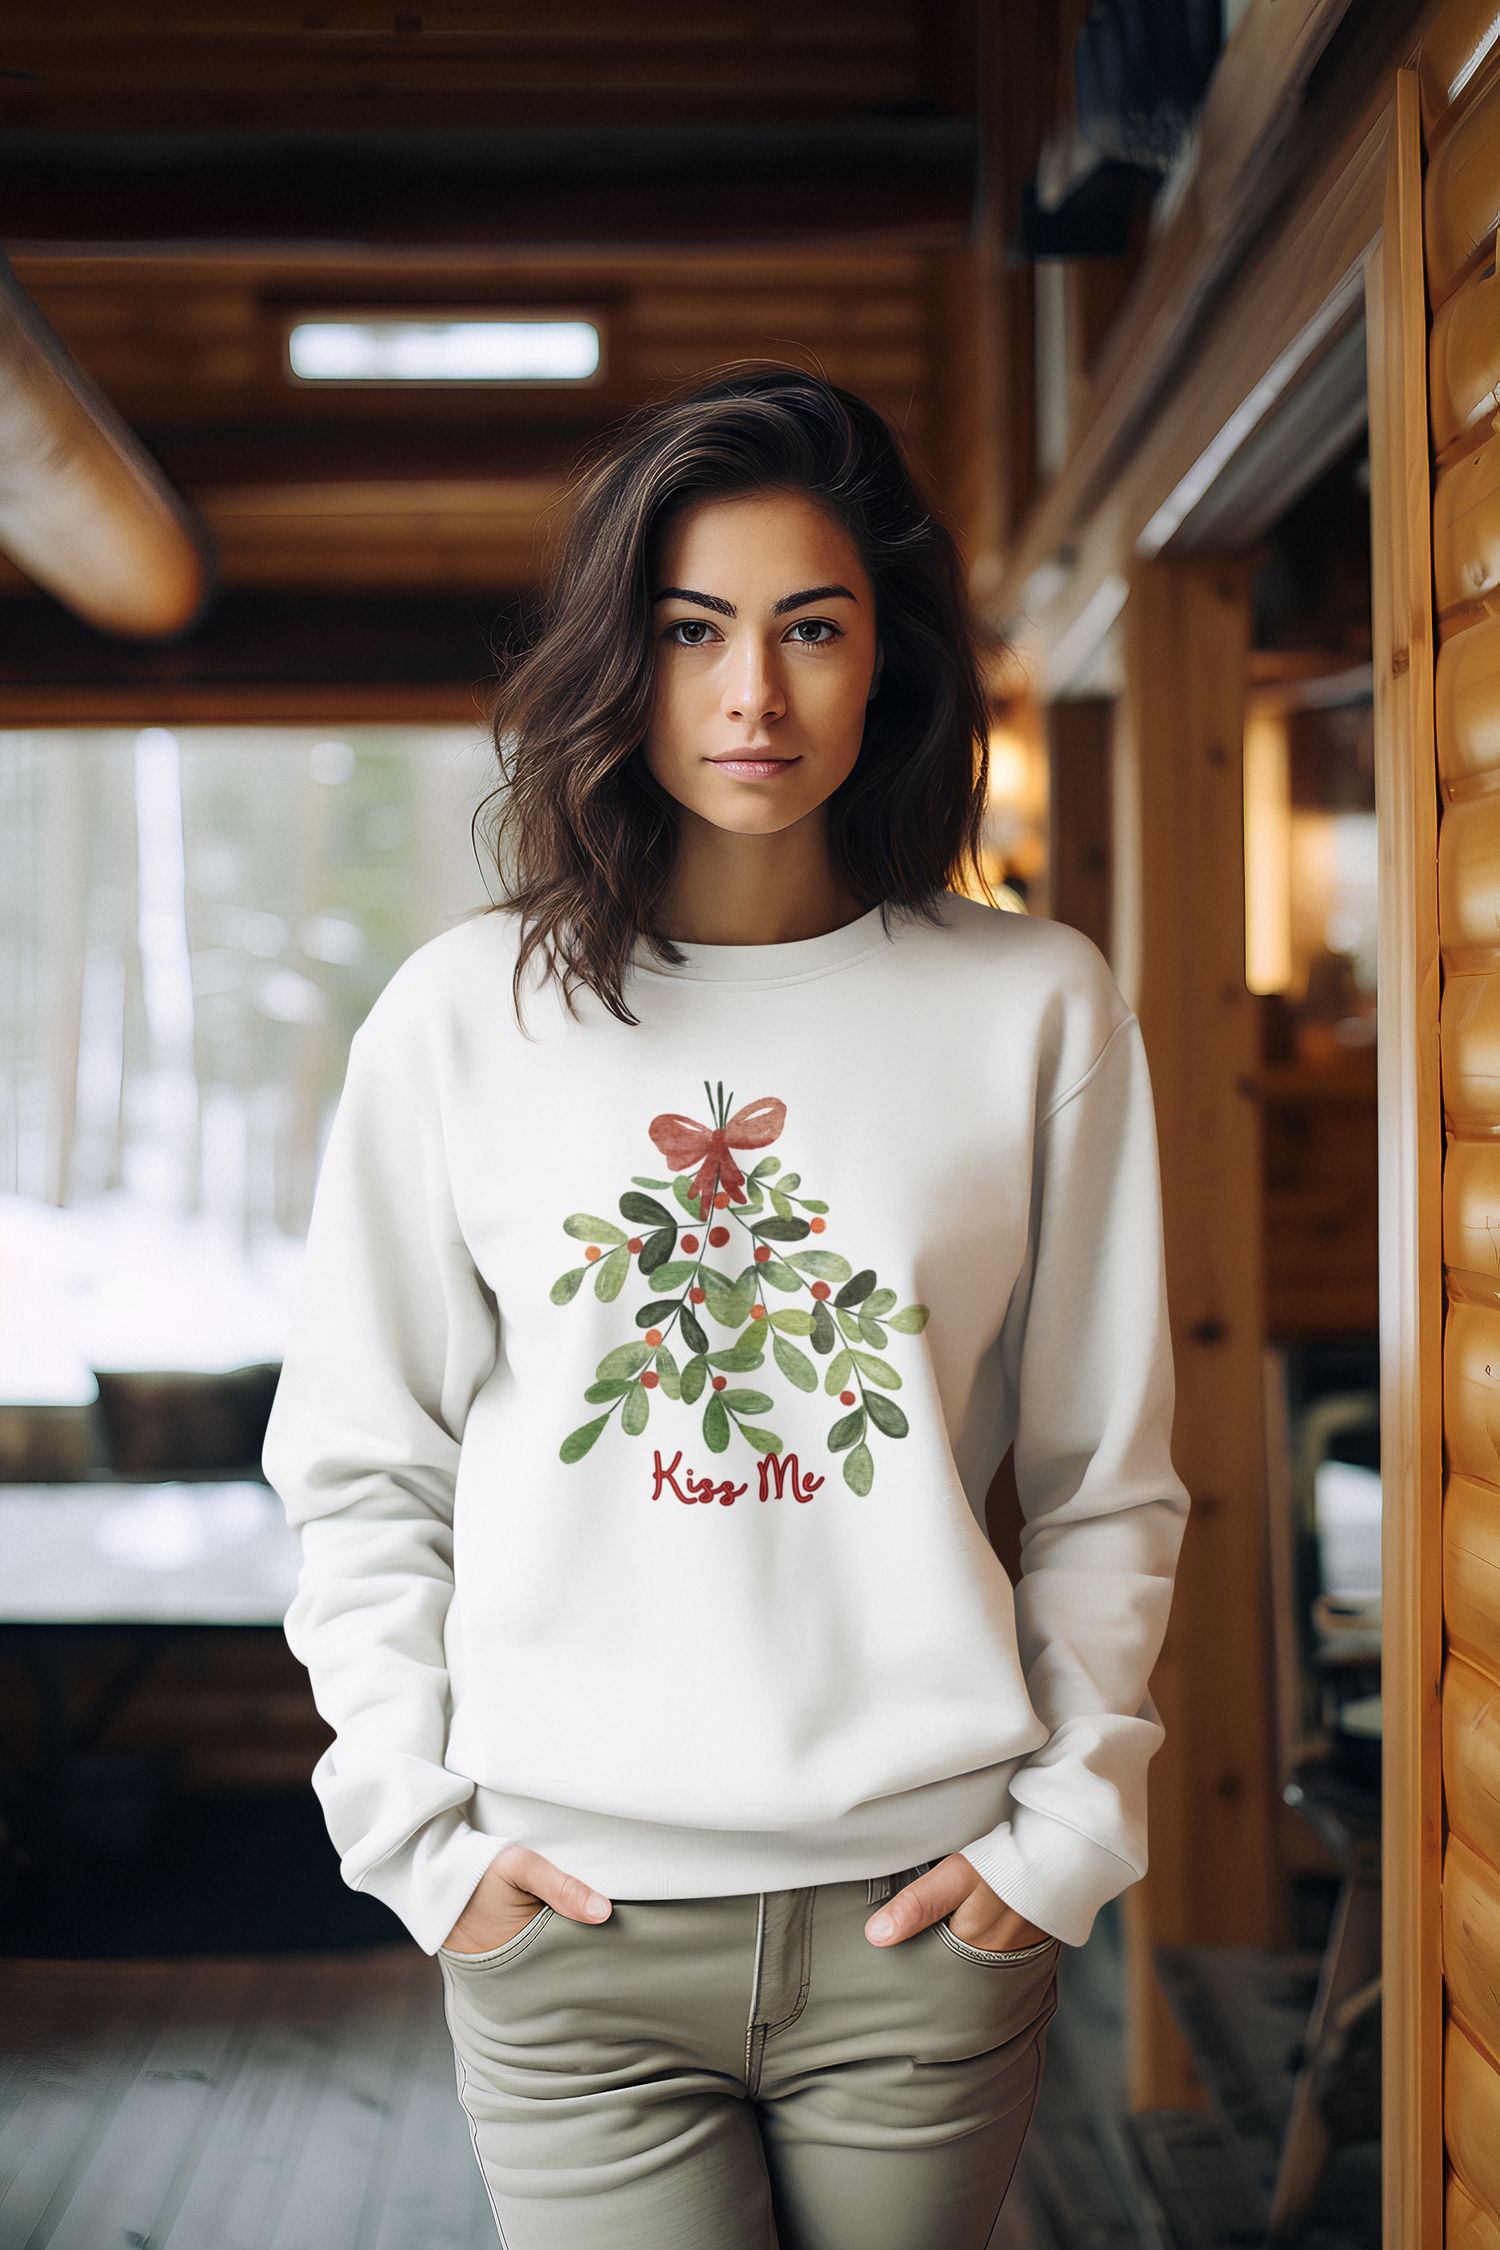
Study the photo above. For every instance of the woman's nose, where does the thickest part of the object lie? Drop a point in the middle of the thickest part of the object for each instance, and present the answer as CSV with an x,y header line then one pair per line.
x,y
753,694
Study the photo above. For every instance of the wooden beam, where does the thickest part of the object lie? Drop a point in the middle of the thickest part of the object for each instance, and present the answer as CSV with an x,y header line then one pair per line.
x,y
1212,1786
1261,151
158,64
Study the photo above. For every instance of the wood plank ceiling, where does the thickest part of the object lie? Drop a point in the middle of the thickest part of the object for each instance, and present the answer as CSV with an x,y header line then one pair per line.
x,y
709,185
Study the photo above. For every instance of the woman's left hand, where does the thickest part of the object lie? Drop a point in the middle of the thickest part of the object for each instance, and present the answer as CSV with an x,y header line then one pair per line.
x,y
953,1891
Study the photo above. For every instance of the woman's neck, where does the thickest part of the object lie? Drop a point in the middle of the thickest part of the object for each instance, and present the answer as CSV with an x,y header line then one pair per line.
x,y
727,889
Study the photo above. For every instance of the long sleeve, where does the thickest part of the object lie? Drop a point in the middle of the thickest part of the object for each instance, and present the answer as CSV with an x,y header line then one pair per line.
x,y
1087,1355
395,1334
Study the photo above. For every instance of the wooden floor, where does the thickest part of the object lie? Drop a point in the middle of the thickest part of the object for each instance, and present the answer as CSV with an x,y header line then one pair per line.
x,y
302,2102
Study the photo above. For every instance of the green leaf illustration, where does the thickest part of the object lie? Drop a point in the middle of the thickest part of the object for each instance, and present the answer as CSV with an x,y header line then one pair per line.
x,y
636,1412
567,1285
737,1359
838,1374
745,1402
859,1470
824,1334
808,1204
639,1182
659,1309
583,1227
876,1370
673,1274
886,1415
764,1441
609,1276
577,1442
715,1425
848,1327
766,1166
872,1332
910,1321
694,1376
693,1332
598,1394
823,1265
682,1188
728,1304
781,1230
623,1362
666,1368
848,1432
782,1205
794,1365
856,1289
657,1249
780,1276
795,1322
879,1301
645,1211
790,1182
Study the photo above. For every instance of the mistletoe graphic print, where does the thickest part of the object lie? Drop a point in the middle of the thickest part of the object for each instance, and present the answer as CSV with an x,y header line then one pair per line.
x,y
761,1223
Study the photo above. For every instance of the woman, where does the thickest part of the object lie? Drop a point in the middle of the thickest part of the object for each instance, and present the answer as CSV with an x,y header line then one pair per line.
x,y
695,1236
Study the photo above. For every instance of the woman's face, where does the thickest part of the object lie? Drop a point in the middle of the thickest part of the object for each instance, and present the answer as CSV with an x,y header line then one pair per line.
x,y
765,652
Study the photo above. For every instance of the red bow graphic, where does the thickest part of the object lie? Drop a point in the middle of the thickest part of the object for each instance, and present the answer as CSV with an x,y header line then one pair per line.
x,y
683,1142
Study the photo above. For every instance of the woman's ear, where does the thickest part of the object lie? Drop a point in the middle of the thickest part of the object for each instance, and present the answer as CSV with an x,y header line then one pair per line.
x,y
875,675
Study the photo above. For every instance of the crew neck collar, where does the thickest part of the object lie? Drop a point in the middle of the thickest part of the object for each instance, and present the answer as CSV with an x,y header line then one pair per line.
x,y
794,963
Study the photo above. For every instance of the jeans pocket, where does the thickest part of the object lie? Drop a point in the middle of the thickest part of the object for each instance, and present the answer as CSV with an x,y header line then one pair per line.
x,y
499,1955
992,1960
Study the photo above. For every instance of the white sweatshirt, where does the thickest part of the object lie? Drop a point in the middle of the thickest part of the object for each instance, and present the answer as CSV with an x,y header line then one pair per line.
x,y
658,1546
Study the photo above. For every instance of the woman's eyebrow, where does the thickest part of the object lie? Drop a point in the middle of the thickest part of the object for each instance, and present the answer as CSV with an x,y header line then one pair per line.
x,y
813,594
704,601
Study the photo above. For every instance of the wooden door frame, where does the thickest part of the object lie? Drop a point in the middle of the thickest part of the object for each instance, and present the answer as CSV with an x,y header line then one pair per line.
x,y
1411,1161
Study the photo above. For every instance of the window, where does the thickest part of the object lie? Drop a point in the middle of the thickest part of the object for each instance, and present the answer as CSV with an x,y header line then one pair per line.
x,y
195,923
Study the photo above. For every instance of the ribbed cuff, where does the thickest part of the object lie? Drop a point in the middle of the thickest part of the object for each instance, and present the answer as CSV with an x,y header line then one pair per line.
x,y
1049,1873
433,1876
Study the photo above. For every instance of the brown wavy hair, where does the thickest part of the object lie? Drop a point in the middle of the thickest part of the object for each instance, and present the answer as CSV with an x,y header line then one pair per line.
x,y
582,835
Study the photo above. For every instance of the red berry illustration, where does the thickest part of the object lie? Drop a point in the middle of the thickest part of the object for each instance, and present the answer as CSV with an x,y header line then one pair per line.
x,y
719,1176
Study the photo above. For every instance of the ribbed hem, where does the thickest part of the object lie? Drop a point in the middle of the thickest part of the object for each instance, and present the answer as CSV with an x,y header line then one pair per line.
x,y
431,1879
1049,1873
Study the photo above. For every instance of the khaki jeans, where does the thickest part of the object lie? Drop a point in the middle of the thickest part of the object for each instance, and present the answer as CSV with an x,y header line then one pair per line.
x,y
747,2073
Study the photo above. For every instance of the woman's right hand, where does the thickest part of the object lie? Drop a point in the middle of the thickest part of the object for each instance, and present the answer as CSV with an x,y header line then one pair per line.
x,y
511,1892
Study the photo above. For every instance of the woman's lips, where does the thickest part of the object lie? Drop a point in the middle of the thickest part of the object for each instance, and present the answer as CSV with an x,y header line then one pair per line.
x,y
748,766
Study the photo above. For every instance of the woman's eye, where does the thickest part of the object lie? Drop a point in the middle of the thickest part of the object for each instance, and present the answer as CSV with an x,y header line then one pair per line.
x,y
689,632
814,632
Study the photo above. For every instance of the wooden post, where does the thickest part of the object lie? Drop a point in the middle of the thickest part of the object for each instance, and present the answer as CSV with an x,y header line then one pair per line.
x,y
1180,938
